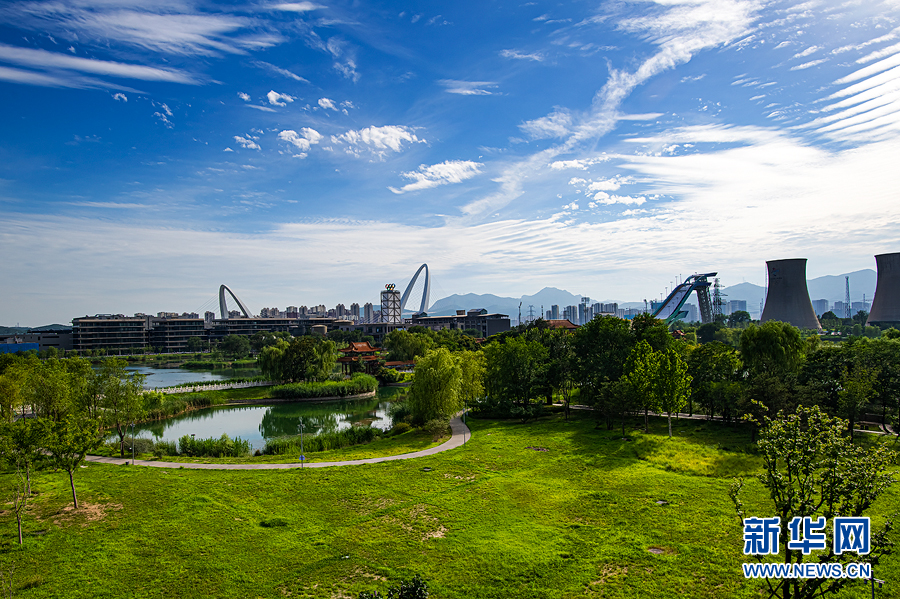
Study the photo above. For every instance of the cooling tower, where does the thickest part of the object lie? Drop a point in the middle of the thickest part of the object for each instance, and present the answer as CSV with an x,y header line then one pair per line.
x,y
787,299
886,305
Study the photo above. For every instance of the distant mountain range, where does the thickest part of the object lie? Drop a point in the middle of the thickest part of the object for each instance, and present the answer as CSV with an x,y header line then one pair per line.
x,y
830,287
19,330
546,297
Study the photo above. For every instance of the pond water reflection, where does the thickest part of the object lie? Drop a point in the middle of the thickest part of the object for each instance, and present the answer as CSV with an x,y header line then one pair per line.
x,y
258,423
169,377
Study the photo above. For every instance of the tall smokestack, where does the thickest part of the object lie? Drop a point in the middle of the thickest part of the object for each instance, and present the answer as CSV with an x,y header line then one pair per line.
x,y
886,304
787,299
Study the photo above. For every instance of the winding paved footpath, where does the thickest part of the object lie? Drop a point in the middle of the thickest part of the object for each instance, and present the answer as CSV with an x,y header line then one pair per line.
x,y
460,433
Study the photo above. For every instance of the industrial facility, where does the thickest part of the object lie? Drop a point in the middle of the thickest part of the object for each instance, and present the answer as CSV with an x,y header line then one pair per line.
x,y
886,305
787,296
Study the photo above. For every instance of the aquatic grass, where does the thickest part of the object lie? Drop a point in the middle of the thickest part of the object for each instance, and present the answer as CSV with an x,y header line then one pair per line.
x,y
357,385
355,435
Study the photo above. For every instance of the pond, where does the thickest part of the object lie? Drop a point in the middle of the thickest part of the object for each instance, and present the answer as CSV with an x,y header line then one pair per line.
x,y
258,423
169,377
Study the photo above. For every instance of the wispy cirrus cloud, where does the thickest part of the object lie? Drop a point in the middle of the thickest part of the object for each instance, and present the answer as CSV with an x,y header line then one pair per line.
x,y
271,68
468,88
166,27
62,67
449,171
296,6
535,56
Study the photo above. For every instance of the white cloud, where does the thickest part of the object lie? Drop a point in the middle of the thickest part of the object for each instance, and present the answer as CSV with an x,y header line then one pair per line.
x,y
276,99
120,97
581,163
327,104
228,150
164,118
468,88
450,171
807,52
244,97
279,71
611,184
535,56
246,142
555,124
43,60
809,64
262,108
172,28
303,141
377,140
297,6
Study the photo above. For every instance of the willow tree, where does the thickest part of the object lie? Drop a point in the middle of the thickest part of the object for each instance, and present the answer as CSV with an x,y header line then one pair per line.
x,y
435,390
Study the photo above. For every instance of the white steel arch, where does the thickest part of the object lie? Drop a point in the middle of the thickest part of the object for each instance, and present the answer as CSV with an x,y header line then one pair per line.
x,y
223,309
425,295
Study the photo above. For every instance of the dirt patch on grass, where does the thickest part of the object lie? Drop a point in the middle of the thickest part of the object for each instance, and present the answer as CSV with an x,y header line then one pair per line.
x,y
85,514
661,550
609,571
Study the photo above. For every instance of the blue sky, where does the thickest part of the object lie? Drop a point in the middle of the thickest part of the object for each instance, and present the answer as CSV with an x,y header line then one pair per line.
x,y
310,152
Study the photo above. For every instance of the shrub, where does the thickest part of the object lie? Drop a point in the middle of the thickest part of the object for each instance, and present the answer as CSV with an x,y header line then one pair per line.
x,y
437,427
141,445
224,446
399,411
356,385
390,375
162,448
355,435
400,428
273,522
412,589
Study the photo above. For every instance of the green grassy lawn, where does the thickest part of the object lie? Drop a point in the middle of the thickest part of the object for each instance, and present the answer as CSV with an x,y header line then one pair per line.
x,y
548,509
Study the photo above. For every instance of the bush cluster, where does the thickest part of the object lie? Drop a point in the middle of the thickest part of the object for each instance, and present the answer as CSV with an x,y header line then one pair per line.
x,y
355,435
356,385
223,447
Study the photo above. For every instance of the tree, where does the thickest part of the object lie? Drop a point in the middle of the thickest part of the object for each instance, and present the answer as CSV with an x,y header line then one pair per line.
x,y
639,373
811,469
21,446
69,441
472,368
515,372
197,344
601,348
122,397
271,361
773,347
672,383
561,364
857,389
435,390
405,346
707,332
714,368
644,327
308,358
236,346
738,319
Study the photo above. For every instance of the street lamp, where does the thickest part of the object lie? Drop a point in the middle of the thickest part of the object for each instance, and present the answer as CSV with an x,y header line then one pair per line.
x,y
302,457
132,442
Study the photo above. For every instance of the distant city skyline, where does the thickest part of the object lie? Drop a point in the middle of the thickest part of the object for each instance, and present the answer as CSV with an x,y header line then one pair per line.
x,y
306,152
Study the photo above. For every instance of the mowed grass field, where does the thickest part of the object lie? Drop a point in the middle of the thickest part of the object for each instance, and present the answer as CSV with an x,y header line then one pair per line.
x,y
548,509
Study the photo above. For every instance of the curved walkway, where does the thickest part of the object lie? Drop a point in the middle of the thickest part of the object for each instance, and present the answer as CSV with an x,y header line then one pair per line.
x,y
460,433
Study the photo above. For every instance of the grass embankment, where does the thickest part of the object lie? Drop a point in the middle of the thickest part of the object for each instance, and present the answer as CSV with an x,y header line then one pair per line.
x,y
544,510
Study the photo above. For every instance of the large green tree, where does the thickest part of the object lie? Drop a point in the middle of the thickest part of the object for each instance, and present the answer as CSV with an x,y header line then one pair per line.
x,y
236,346
772,347
435,390
515,371
406,346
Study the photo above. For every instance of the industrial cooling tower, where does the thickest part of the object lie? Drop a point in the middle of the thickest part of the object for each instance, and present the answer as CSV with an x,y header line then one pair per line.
x,y
787,299
886,305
